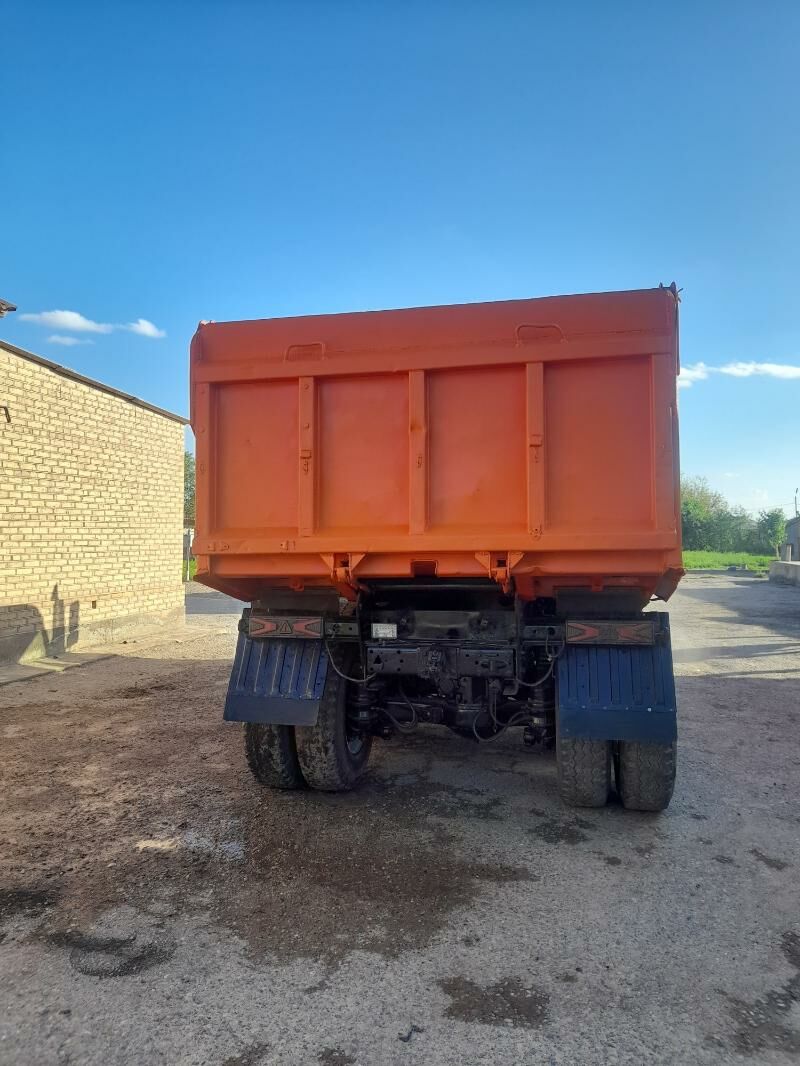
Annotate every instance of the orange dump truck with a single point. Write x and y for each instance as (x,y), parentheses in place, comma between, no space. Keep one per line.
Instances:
(448,515)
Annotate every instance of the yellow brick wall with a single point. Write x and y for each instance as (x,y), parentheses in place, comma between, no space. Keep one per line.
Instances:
(91,513)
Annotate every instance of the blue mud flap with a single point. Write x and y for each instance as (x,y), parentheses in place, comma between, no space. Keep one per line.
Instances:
(618,692)
(276,681)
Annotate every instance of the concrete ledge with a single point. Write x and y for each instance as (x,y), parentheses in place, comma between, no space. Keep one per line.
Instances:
(787,573)
(11,673)
(728,571)
(34,644)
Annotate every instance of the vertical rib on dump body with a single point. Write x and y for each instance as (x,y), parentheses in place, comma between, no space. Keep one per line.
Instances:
(533,442)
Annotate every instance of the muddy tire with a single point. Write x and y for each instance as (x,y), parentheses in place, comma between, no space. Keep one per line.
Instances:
(646,775)
(272,755)
(584,771)
(331,757)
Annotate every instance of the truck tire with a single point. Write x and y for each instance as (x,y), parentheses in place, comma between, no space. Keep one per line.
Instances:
(584,771)
(332,758)
(646,775)
(272,755)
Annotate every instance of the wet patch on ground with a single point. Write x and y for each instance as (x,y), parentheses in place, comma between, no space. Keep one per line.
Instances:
(508,1002)
(251,1056)
(334,1056)
(318,986)
(436,798)
(609,860)
(762,1026)
(27,902)
(768,860)
(561,831)
(96,955)
(383,882)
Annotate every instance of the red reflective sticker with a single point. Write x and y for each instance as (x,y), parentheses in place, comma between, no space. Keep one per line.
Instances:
(610,633)
(261,626)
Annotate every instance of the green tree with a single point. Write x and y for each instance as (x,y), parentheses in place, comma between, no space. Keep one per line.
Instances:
(701,508)
(698,490)
(772,528)
(733,530)
(709,523)
(695,525)
(188,489)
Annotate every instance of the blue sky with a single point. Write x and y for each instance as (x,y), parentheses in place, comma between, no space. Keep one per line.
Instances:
(165,163)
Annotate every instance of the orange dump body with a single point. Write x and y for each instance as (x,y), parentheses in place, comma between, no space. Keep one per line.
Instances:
(530,442)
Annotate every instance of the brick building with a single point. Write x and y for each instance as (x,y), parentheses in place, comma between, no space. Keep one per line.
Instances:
(91,510)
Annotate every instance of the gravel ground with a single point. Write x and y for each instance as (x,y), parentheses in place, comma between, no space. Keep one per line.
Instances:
(156,906)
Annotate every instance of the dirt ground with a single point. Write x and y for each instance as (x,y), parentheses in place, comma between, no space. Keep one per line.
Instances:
(157,906)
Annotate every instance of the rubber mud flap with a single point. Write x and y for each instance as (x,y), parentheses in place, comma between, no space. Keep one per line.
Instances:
(276,681)
(618,692)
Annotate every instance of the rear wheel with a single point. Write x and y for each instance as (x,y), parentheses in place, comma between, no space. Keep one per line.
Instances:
(646,775)
(584,771)
(272,755)
(332,754)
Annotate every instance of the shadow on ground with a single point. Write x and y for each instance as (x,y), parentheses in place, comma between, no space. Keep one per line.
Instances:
(749,601)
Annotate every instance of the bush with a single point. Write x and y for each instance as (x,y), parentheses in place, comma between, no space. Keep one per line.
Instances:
(703,560)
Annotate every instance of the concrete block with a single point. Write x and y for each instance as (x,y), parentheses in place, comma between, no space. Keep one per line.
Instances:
(786,573)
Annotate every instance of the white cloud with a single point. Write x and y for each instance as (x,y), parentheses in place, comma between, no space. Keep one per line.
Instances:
(70,320)
(700,372)
(75,322)
(690,374)
(68,342)
(144,328)
(768,370)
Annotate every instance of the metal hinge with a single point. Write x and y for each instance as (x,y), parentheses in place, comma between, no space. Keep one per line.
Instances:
(500,567)
(343,573)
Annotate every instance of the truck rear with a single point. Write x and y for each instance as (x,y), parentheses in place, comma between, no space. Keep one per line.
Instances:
(448,515)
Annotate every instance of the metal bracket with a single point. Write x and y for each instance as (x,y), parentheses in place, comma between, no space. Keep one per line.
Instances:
(342,570)
(499,566)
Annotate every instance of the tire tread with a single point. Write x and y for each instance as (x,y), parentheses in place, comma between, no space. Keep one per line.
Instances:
(647,775)
(271,754)
(584,771)
(324,758)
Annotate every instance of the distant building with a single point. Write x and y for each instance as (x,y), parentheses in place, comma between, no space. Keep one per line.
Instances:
(792,538)
(91,510)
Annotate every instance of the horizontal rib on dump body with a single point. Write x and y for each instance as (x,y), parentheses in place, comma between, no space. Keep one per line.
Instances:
(533,442)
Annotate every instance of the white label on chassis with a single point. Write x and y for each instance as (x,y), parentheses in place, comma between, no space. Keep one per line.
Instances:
(384,631)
